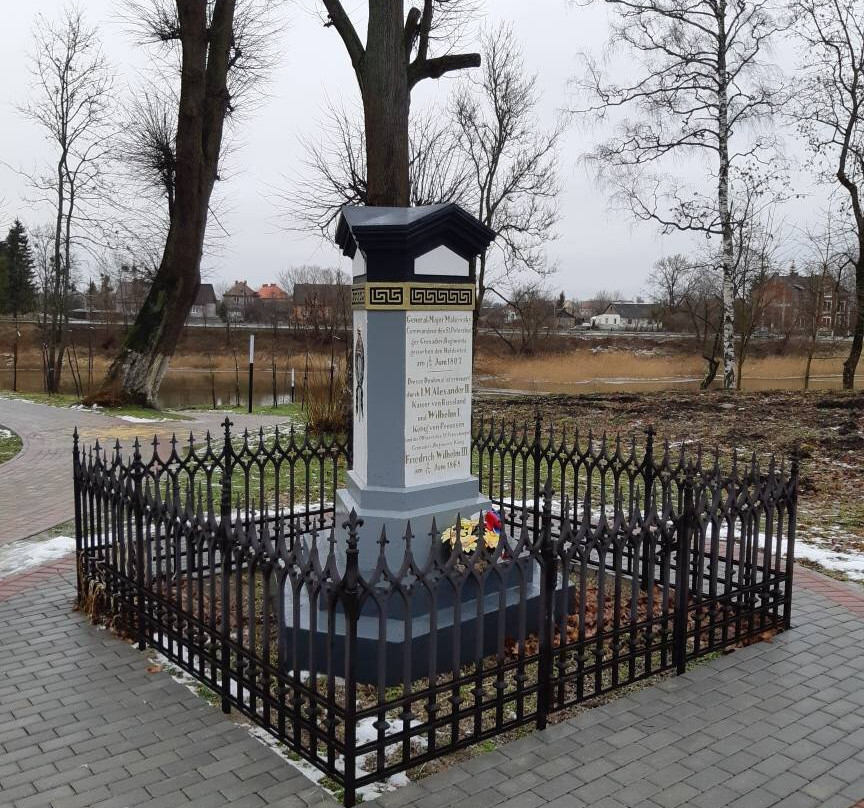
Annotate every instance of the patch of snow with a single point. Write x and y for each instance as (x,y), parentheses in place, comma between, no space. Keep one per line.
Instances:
(134,419)
(5,434)
(847,561)
(27,553)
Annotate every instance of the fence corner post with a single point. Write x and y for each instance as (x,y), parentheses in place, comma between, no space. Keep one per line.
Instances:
(682,575)
(351,605)
(79,527)
(225,553)
(547,599)
(792,512)
(137,482)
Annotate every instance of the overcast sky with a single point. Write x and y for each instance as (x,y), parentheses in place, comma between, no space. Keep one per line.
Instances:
(598,248)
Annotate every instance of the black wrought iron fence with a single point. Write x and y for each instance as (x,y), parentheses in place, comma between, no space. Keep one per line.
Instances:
(612,563)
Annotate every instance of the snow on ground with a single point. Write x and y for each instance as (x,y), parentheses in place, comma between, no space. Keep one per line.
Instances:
(21,555)
(135,419)
(848,562)
(5,434)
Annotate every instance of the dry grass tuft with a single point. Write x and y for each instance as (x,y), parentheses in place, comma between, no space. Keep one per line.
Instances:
(328,405)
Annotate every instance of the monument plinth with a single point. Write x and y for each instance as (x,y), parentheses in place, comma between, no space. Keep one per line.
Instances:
(413,301)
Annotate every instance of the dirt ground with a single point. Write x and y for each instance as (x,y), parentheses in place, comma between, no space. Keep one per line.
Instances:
(827,426)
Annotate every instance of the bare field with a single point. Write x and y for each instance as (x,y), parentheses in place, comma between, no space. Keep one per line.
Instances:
(600,368)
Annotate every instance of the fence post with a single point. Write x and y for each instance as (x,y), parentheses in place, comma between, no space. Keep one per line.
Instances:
(351,605)
(138,510)
(682,576)
(790,536)
(647,568)
(547,599)
(79,527)
(225,553)
(537,456)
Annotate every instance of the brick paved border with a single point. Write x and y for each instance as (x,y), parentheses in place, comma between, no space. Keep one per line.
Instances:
(846,594)
(22,582)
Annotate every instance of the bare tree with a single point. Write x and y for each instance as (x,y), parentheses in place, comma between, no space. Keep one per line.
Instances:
(335,168)
(321,301)
(533,316)
(669,283)
(394,59)
(830,115)
(71,103)
(702,84)
(756,250)
(222,50)
(512,160)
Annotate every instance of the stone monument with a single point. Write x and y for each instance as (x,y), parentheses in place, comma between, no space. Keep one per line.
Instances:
(413,301)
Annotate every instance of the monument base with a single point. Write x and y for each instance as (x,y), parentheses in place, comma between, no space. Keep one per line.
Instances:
(383,646)
(391,509)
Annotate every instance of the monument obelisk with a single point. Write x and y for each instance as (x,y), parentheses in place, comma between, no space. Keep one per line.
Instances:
(413,299)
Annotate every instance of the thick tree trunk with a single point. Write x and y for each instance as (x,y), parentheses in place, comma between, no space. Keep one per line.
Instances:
(850,366)
(137,372)
(386,101)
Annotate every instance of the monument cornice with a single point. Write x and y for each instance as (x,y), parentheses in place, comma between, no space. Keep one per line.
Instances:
(386,296)
(390,239)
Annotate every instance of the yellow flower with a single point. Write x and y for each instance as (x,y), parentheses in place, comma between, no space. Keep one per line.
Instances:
(490,538)
(469,543)
(467,531)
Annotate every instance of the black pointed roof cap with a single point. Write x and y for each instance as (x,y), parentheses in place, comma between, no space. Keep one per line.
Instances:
(411,231)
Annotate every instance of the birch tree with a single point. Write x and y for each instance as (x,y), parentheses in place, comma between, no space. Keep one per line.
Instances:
(830,113)
(396,56)
(700,90)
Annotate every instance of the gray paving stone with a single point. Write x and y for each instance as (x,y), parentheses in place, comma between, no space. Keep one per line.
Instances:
(98,730)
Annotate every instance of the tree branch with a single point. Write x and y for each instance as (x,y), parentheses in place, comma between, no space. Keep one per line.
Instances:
(340,20)
(437,67)
(412,29)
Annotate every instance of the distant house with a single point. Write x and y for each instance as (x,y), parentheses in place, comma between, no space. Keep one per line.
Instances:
(625,316)
(790,304)
(565,318)
(317,303)
(239,300)
(586,309)
(566,315)
(204,307)
(272,295)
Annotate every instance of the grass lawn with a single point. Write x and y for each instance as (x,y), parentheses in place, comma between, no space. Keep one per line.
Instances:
(10,444)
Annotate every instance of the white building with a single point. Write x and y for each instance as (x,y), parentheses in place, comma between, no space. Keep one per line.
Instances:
(623,316)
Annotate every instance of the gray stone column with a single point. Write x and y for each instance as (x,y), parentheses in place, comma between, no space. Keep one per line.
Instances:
(413,297)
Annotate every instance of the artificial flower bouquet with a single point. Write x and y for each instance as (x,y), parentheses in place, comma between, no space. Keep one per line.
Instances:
(470,532)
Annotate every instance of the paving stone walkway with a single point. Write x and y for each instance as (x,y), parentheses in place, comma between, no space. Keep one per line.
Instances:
(36,485)
(780,724)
